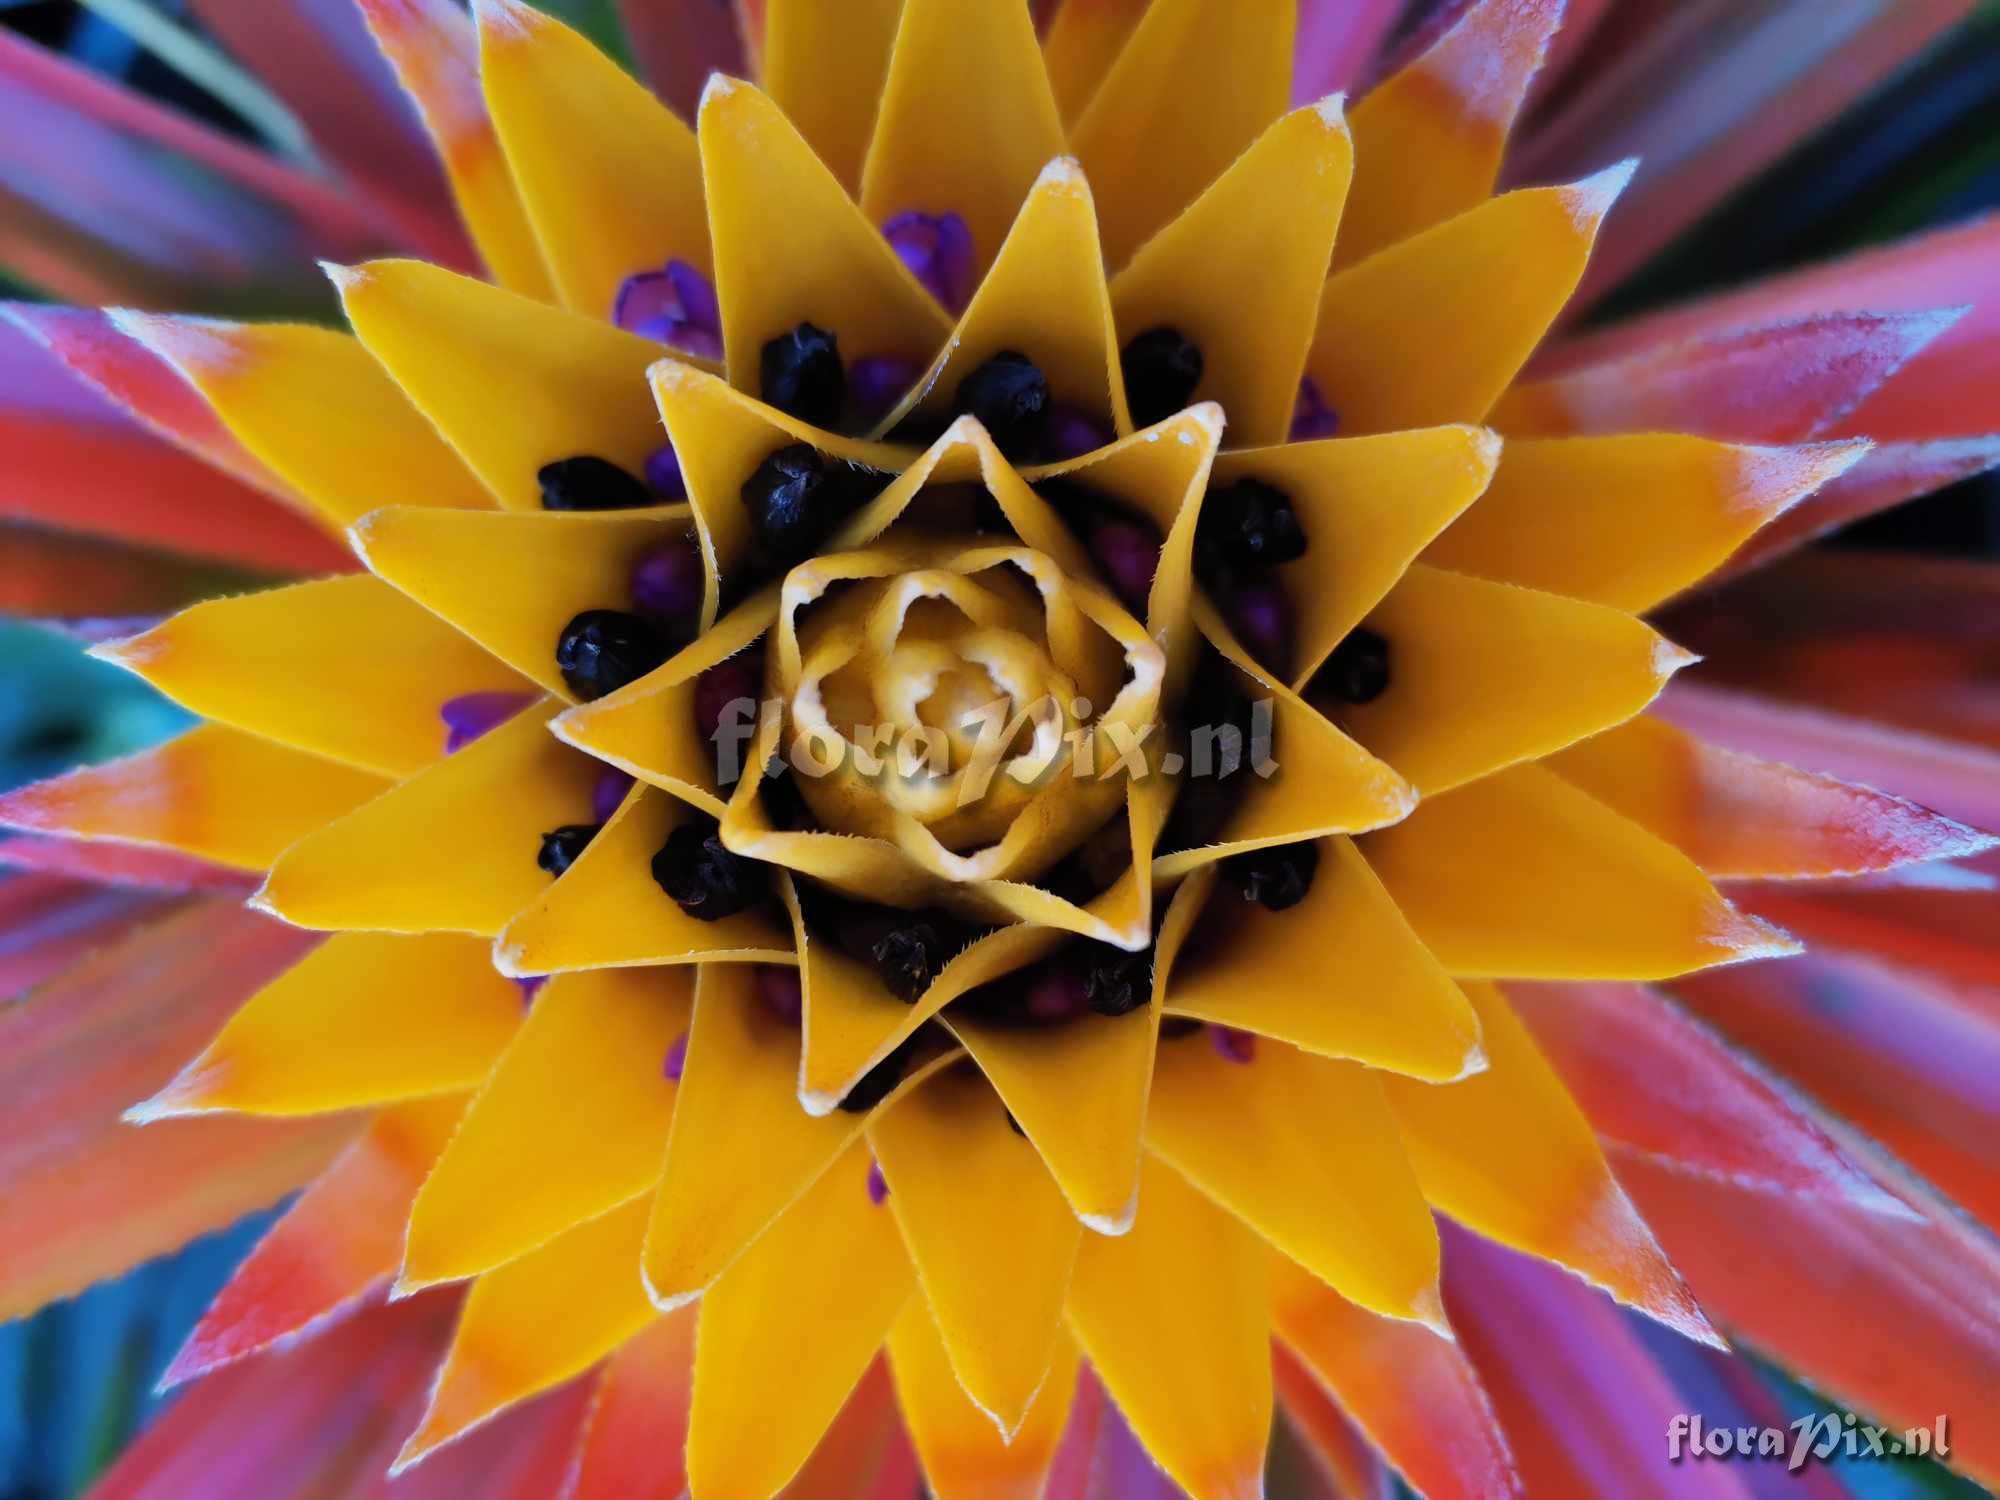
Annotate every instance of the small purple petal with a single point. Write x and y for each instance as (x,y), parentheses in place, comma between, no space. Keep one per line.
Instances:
(676,305)
(732,680)
(782,993)
(667,583)
(699,304)
(938,250)
(1260,617)
(609,793)
(1236,1046)
(876,382)
(1312,418)
(663,473)
(677,1059)
(1071,434)
(470,715)
(1129,554)
(1057,994)
(530,985)
(878,1185)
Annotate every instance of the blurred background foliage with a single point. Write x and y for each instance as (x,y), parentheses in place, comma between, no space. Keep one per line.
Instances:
(76,1380)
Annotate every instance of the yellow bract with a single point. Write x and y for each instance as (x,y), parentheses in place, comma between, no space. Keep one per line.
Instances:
(1388,1004)
(569,1125)
(289,665)
(312,1041)
(628,203)
(966,119)
(991,1237)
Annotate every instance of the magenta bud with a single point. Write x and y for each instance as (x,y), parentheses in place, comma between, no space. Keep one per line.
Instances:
(730,681)
(1236,1046)
(663,473)
(1129,554)
(938,250)
(1056,993)
(470,715)
(876,382)
(1312,418)
(1262,621)
(782,994)
(667,584)
(676,305)
(609,793)
(1070,434)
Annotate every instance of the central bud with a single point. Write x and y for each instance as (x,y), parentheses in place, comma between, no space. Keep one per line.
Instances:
(963,698)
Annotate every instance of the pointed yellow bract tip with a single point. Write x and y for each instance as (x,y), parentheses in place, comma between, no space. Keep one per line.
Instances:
(1669,658)
(1590,200)
(720,86)
(133,652)
(1063,173)
(1112,1226)
(1427,1308)
(1332,111)
(1770,481)
(348,280)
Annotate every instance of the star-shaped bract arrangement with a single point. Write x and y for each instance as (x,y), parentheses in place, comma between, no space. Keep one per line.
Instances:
(956,361)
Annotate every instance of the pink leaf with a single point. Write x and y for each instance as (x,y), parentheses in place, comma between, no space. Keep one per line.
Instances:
(1582,1401)
(113,198)
(1899,1318)
(1710,96)
(1950,390)
(1651,1080)
(88,1195)
(1779,383)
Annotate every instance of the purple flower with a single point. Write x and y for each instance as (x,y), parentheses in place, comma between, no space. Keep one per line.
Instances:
(470,715)
(876,382)
(1237,1046)
(676,305)
(609,793)
(1070,434)
(1312,418)
(663,473)
(783,996)
(667,584)
(1129,554)
(938,250)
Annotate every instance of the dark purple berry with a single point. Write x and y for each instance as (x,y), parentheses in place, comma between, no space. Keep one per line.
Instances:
(1358,670)
(1248,524)
(793,503)
(1162,369)
(909,956)
(704,878)
(1116,983)
(1010,397)
(587,482)
(562,846)
(667,584)
(601,650)
(802,375)
(1277,878)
